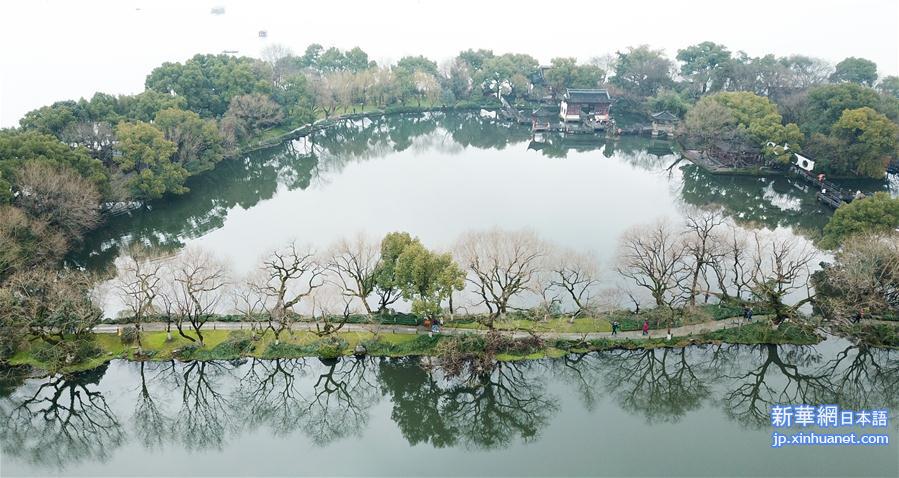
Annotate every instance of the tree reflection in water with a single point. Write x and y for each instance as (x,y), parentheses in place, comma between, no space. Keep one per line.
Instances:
(321,157)
(775,375)
(660,384)
(340,400)
(483,409)
(864,377)
(60,420)
(204,416)
(57,421)
(488,409)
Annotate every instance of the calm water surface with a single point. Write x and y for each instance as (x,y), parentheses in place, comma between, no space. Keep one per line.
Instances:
(439,175)
(694,411)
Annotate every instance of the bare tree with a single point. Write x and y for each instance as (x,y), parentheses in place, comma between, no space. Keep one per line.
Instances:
(26,242)
(864,279)
(291,275)
(353,264)
(652,256)
(138,282)
(167,294)
(250,301)
(702,249)
(59,196)
(248,115)
(324,92)
(781,266)
(330,310)
(731,267)
(502,265)
(577,275)
(275,55)
(200,281)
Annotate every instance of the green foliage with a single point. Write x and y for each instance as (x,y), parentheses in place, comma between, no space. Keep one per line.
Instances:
(51,119)
(509,68)
(294,95)
(197,141)
(855,70)
(333,59)
(889,86)
(826,104)
(238,343)
(734,117)
(566,73)
(669,100)
(426,278)
(705,64)
(392,246)
(74,350)
(208,82)
(877,213)
(868,139)
(146,105)
(475,58)
(19,147)
(877,335)
(146,157)
(643,71)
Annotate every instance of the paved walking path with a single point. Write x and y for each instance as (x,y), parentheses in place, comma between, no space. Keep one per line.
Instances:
(402,329)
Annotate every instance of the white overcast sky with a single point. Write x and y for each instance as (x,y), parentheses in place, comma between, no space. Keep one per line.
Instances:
(53,50)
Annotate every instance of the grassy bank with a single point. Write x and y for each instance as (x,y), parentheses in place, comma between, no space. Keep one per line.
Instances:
(230,345)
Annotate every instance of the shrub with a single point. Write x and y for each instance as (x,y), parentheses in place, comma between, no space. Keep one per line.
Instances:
(238,343)
(72,351)
(331,348)
(129,335)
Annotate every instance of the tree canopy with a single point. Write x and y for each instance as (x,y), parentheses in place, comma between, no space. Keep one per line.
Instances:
(146,160)
(877,213)
(736,116)
(208,82)
(855,70)
(705,64)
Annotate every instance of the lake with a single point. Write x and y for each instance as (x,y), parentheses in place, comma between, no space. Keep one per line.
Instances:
(670,412)
(438,175)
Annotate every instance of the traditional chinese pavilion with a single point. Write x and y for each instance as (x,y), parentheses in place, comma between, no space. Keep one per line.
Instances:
(664,122)
(590,104)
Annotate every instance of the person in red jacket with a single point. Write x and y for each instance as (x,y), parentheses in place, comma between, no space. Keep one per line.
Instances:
(645,326)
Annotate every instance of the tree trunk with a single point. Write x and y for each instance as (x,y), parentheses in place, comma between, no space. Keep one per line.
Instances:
(140,346)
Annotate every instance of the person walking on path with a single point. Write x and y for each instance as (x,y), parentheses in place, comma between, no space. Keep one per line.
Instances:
(645,326)
(615,326)
(749,314)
